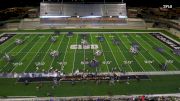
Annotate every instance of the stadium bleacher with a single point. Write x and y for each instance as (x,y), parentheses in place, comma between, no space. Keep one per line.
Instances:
(54,13)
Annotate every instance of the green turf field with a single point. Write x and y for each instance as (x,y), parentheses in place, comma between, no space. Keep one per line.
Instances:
(157,85)
(36,49)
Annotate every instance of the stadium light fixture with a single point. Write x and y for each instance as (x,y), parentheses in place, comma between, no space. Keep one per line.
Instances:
(122,16)
(55,16)
(91,16)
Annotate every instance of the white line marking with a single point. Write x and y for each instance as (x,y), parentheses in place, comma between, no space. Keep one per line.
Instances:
(74,55)
(84,58)
(134,57)
(65,52)
(165,46)
(17,53)
(161,54)
(21,50)
(46,53)
(35,54)
(56,49)
(93,49)
(112,53)
(8,46)
(140,52)
(123,55)
(104,57)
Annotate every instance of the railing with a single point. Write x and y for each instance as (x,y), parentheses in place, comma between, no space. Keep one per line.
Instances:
(54,74)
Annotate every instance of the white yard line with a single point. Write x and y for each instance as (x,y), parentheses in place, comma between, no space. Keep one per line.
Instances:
(164,45)
(112,53)
(134,57)
(22,49)
(123,54)
(56,49)
(46,53)
(17,52)
(7,47)
(172,56)
(62,66)
(2,34)
(84,59)
(74,55)
(141,54)
(104,57)
(35,55)
(76,40)
(8,63)
(93,49)
(163,56)
(170,38)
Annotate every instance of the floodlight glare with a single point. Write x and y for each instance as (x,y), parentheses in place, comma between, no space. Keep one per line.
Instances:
(55,16)
(91,16)
(122,16)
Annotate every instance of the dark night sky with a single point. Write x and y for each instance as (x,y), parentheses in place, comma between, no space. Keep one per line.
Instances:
(148,3)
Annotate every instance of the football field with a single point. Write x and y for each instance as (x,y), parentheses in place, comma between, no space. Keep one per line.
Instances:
(34,54)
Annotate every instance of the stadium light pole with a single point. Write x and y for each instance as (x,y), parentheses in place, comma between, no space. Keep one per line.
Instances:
(105,7)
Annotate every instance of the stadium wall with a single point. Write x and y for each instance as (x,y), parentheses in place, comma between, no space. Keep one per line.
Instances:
(55,10)
(57,13)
